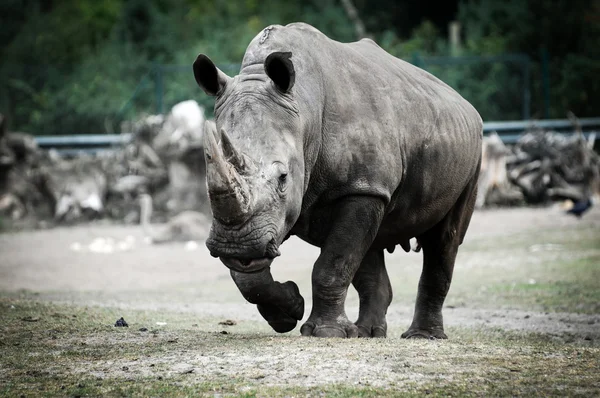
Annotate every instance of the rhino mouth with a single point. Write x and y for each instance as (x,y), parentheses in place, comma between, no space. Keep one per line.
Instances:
(246,265)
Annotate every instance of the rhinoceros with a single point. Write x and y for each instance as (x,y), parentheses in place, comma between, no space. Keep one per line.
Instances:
(350,149)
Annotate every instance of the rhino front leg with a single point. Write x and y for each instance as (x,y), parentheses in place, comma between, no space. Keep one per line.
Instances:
(352,232)
(375,294)
(279,303)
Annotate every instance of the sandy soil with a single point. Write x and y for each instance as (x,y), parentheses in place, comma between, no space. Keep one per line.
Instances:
(112,270)
(61,265)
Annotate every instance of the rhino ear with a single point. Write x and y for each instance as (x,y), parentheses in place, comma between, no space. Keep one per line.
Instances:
(280,69)
(208,76)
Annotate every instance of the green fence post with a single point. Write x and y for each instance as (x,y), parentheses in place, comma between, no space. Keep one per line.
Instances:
(546,82)
(416,59)
(526,88)
(158,87)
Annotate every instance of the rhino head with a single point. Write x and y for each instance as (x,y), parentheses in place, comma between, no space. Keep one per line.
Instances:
(254,159)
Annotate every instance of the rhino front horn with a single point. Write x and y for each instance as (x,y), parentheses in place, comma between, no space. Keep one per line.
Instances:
(227,189)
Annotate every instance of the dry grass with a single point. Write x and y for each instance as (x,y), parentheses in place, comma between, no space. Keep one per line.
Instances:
(522,316)
(51,350)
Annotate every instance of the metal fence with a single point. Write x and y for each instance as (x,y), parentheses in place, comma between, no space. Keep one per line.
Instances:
(500,87)
(509,132)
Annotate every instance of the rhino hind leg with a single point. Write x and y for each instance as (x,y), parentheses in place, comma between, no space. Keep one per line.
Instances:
(440,246)
(375,293)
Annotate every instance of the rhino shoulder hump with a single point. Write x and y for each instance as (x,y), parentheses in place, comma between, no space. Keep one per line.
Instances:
(302,26)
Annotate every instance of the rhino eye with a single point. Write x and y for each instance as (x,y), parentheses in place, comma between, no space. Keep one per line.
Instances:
(282,186)
(281,171)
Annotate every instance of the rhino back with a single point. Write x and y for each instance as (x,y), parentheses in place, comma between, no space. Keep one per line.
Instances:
(384,127)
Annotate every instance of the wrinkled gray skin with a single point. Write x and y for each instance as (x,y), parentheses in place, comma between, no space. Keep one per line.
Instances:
(354,151)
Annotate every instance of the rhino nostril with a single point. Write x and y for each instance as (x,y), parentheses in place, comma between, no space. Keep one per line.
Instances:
(272,250)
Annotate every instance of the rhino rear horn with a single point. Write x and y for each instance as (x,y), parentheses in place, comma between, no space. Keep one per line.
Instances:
(208,76)
(232,155)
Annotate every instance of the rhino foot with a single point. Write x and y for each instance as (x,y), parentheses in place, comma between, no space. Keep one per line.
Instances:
(277,319)
(430,334)
(341,329)
(371,330)
(284,315)
(281,304)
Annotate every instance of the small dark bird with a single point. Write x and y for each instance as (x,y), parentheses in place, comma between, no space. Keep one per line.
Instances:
(121,323)
(580,207)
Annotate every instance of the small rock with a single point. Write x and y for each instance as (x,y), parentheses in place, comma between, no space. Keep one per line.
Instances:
(187,371)
(143,329)
(161,323)
(224,332)
(30,319)
(191,245)
(125,367)
(228,322)
(526,317)
(121,323)
(588,338)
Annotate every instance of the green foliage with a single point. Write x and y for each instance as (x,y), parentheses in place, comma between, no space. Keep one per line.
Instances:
(75,65)
(82,66)
(567,29)
(425,40)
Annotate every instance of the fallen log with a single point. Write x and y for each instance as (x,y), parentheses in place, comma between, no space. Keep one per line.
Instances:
(185,226)
(542,167)
(494,187)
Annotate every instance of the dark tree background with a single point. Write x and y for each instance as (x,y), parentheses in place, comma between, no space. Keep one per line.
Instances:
(81,66)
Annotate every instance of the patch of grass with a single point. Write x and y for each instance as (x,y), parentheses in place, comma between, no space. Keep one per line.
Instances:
(59,350)
(567,286)
(555,271)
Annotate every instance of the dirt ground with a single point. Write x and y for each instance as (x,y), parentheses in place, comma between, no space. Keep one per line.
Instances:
(525,273)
